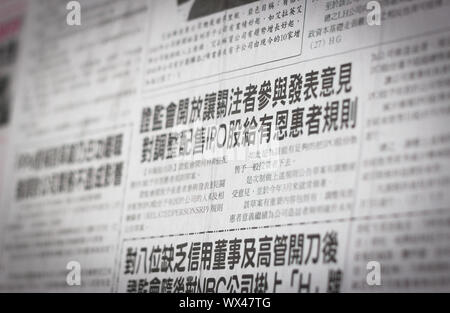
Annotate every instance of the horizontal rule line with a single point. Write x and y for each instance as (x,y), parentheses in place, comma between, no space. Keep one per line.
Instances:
(328,221)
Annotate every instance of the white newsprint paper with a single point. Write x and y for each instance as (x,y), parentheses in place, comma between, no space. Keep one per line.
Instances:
(225,146)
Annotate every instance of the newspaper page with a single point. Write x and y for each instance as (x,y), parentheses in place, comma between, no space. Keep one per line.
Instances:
(229,146)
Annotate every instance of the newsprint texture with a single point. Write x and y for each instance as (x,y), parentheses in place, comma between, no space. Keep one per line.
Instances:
(225,146)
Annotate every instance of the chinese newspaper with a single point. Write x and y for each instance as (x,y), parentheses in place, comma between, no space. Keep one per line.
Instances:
(225,146)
